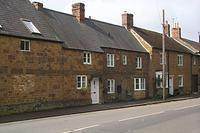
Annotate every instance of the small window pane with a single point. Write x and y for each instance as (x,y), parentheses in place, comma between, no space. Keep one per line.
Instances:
(83,82)
(137,84)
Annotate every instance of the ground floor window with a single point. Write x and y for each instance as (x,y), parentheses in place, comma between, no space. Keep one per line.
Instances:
(81,81)
(180,81)
(139,84)
(159,81)
(111,86)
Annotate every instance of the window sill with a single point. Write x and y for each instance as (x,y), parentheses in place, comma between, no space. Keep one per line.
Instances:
(25,50)
(110,92)
(87,63)
(139,89)
(111,66)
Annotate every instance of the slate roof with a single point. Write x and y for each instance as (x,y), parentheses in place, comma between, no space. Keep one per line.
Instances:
(90,35)
(11,13)
(194,44)
(155,40)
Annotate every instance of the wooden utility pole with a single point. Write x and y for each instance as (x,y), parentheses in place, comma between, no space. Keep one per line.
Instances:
(163,55)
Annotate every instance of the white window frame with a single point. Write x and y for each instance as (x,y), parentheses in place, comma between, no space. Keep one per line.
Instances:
(159,74)
(29,45)
(82,77)
(194,60)
(1,27)
(161,58)
(110,60)
(141,84)
(138,62)
(125,59)
(180,60)
(111,86)
(30,26)
(180,81)
(87,58)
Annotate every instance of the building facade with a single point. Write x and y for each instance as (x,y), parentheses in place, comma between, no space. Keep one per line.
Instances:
(194,47)
(44,65)
(51,59)
(178,60)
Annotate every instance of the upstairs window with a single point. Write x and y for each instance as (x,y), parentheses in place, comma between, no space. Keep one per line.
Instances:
(139,63)
(110,60)
(87,58)
(25,45)
(194,61)
(31,26)
(124,60)
(180,60)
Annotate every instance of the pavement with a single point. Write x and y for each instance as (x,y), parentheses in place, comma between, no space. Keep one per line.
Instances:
(88,108)
(175,117)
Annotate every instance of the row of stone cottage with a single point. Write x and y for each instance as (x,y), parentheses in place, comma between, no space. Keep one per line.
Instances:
(51,59)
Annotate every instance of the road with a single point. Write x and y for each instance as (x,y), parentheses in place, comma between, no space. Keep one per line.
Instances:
(172,117)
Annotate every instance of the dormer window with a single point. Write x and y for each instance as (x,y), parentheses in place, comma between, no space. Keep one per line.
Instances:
(31,26)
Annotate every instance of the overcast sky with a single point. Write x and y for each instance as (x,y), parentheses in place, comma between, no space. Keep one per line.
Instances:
(147,13)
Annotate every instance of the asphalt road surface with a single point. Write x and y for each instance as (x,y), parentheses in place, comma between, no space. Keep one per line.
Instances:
(172,117)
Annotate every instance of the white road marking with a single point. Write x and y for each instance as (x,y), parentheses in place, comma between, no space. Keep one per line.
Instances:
(182,108)
(141,116)
(80,129)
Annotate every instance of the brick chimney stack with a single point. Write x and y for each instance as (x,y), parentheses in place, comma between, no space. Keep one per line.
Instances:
(78,10)
(199,36)
(176,31)
(127,20)
(167,29)
(37,5)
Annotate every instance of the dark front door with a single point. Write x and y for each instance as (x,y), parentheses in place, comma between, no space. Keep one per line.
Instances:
(195,83)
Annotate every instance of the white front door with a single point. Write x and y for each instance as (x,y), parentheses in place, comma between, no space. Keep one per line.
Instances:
(95,90)
(171,85)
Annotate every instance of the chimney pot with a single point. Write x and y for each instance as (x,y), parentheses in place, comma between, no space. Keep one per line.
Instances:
(37,5)
(78,10)
(127,20)
(176,31)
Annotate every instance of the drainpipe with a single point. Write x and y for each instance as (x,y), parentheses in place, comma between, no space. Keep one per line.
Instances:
(168,69)
(191,74)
